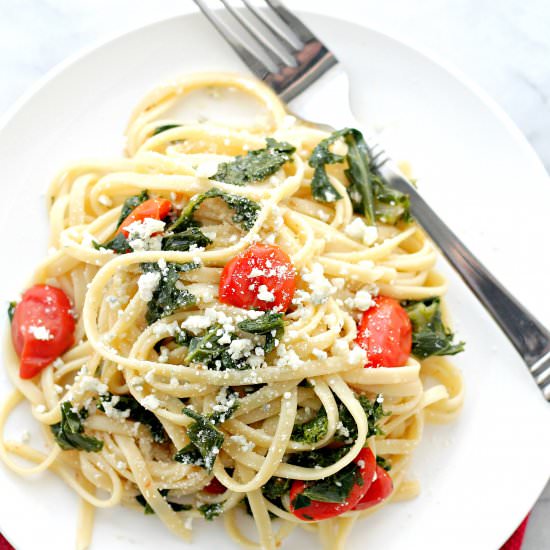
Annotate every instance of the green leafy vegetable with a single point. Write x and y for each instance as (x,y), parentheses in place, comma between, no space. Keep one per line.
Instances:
(320,457)
(301,501)
(130,204)
(255,165)
(374,411)
(69,433)
(276,488)
(169,295)
(270,324)
(11,310)
(312,431)
(164,492)
(335,488)
(430,335)
(369,195)
(211,511)
(206,349)
(118,244)
(321,188)
(383,463)
(246,211)
(205,437)
(185,240)
(137,413)
(163,128)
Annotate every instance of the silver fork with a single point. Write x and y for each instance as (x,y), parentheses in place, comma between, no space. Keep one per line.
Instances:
(280,50)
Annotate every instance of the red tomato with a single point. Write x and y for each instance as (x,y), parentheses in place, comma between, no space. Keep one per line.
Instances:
(318,510)
(215,487)
(42,328)
(379,490)
(157,209)
(385,333)
(260,271)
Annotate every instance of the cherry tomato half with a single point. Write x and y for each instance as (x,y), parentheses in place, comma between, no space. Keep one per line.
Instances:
(318,510)
(261,277)
(215,487)
(42,328)
(385,333)
(157,209)
(379,490)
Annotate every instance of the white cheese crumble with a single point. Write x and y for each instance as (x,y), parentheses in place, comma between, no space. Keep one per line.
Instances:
(147,284)
(241,347)
(140,234)
(357,355)
(245,445)
(265,294)
(104,200)
(363,300)
(320,286)
(319,353)
(92,384)
(360,231)
(151,402)
(40,333)
(197,323)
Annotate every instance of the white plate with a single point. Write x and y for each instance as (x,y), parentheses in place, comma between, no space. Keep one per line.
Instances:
(480,475)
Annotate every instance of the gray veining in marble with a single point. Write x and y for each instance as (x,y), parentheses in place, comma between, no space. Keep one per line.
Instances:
(504,46)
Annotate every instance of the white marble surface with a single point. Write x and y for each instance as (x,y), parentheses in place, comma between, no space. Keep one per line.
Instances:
(504,46)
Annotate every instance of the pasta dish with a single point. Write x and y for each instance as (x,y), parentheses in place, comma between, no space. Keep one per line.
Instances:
(234,321)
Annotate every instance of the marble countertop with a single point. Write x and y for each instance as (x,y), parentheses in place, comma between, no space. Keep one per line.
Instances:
(503,46)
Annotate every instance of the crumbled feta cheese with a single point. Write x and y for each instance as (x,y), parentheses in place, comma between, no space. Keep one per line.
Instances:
(320,286)
(40,332)
(357,355)
(140,234)
(240,347)
(256,272)
(319,353)
(196,323)
(363,300)
(147,284)
(359,230)
(90,383)
(265,294)
(164,354)
(151,402)
(245,445)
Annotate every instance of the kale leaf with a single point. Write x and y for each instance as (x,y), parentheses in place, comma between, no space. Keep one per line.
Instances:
(256,165)
(246,211)
(211,511)
(118,244)
(11,310)
(185,240)
(164,492)
(163,128)
(207,439)
(276,488)
(130,204)
(335,488)
(383,463)
(170,295)
(369,195)
(320,457)
(312,431)
(270,324)
(374,411)
(206,349)
(430,335)
(321,188)
(69,433)
(138,413)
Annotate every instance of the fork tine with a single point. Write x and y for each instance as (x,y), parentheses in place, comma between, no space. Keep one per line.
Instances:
(297,27)
(267,47)
(273,28)
(254,63)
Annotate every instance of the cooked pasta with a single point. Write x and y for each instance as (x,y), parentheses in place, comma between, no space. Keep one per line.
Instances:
(180,369)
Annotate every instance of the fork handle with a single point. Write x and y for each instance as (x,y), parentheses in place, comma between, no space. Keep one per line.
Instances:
(530,338)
